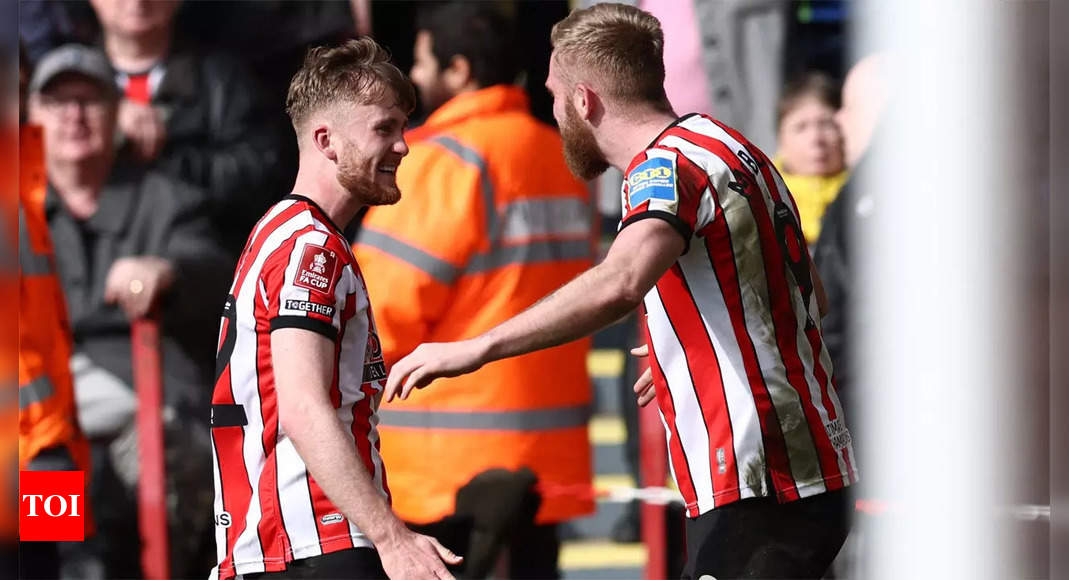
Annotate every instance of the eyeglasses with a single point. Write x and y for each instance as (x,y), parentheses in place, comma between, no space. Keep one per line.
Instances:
(94,103)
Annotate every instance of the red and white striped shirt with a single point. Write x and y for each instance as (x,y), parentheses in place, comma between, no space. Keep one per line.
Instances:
(743,380)
(297,270)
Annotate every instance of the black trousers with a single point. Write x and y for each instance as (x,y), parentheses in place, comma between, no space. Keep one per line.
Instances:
(352,564)
(759,538)
(38,560)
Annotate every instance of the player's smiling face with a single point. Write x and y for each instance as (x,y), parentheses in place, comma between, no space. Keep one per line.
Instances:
(373,145)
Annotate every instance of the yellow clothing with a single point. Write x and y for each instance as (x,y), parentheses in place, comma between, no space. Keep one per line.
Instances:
(813,194)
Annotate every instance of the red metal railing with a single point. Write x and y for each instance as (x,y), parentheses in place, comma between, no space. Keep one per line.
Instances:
(151,489)
(653,470)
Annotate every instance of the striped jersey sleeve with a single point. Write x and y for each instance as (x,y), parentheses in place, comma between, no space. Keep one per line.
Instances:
(664,184)
(304,285)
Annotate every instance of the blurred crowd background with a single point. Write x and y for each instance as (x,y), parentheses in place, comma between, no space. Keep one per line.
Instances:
(159,159)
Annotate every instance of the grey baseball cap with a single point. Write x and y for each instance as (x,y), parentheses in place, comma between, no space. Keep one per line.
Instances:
(74,58)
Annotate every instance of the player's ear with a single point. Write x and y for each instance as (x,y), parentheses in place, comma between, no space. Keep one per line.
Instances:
(585,101)
(321,138)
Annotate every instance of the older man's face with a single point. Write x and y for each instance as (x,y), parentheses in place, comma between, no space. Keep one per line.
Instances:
(78,117)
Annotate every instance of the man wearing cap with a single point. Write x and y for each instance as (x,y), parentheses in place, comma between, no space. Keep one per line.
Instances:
(128,242)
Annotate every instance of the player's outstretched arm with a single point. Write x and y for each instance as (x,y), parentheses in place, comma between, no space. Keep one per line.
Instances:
(303,366)
(641,254)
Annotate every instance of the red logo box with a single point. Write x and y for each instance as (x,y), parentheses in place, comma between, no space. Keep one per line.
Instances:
(52,506)
(318,269)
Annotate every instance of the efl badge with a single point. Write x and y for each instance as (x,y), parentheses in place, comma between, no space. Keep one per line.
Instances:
(318,269)
(653,179)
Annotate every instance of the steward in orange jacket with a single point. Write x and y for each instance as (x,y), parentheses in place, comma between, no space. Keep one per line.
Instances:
(49,438)
(489,221)
(48,422)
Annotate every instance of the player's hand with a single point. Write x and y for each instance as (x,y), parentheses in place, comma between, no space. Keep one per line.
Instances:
(432,361)
(644,390)
(411,555)
(142,125)
(137,282)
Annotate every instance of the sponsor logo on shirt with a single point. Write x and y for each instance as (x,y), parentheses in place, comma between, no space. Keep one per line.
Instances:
(374,347)
(654,178)
(306,306)
(331,519)
(374,368)
(838,433)
(318,269)
(374,372)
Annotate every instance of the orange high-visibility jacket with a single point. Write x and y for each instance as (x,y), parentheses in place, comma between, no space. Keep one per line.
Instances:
(9,339)
(490,221)
(47,415)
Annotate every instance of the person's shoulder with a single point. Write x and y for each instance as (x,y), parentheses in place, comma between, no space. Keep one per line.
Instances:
(699,137)
(162,192)
(299,231)
(185,48)
(310,215)
(210,63)
(660,160)
(225,65)
(484,132)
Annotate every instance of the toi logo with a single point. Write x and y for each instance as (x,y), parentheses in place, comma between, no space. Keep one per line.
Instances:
(52,506)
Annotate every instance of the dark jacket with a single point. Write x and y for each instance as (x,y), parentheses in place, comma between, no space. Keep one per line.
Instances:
(833,256)
(223,137)
(145,213)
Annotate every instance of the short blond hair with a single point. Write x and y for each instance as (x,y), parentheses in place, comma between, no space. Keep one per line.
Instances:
(620,46)
(357,71)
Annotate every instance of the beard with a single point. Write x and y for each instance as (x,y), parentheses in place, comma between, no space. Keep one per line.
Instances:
(363,188)
(581,151)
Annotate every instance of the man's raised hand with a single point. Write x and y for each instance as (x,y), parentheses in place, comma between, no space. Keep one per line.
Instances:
(432,361)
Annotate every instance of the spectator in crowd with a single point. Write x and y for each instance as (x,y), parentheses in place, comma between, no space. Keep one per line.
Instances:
(810,156)
(44,26)
(863,100)
(864,96)
(198,116)
(127,240)
(275,46)
(491,220)
(49,438)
